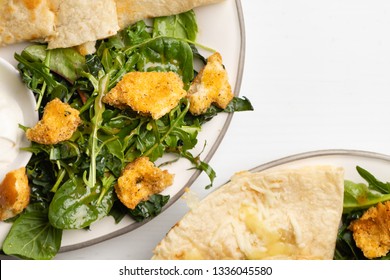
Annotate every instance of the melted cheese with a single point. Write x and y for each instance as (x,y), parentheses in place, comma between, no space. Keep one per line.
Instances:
(273,242)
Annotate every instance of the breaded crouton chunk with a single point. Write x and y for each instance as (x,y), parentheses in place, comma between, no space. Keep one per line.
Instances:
(372,231)
(210,86)
(139,180)
(14,193)
(148,93)
(58,123)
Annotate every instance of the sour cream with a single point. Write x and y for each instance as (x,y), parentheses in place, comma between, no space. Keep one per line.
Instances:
(17,106)
(10,133)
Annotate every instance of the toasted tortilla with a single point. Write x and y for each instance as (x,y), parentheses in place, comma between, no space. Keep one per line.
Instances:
(84,21)
(131,11)
(69,23)
(279,214)
(25,20)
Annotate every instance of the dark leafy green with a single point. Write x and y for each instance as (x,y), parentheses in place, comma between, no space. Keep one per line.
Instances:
(358,197)
(150,208)
(76,206)
(32,236)
(167,54)
(236,105)
(65,62)
(179,26)
(362,196)
(345,244)
(373,183)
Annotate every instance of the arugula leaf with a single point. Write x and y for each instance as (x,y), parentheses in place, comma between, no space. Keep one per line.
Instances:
(93,65)
(137,33)
(201,165)
(96,121)
(37,77)
(375,184)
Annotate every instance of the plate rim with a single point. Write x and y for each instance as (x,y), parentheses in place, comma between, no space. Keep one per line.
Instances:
(319,153)
(30,116)
(213,149)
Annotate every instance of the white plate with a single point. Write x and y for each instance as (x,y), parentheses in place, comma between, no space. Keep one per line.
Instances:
(17,106)
(226,15)
(375,163)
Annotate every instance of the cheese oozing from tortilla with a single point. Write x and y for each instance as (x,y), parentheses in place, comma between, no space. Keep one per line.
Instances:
(275,214)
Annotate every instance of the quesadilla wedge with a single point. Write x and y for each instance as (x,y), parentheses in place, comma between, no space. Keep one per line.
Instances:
(79,22)
(131,11)
(70,23)
(275,214)
(25,20)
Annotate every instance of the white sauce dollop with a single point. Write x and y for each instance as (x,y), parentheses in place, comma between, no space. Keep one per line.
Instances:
(17,106)
(10,133)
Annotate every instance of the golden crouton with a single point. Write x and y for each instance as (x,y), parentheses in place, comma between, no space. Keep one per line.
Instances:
(372,231)
(139,180)
(14,193)
(148,93)
(58,123)
(211,85)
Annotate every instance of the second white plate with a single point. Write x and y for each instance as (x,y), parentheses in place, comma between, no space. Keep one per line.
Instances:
(376,163)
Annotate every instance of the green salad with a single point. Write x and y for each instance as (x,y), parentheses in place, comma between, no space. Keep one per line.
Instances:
(72,182)
(358,198)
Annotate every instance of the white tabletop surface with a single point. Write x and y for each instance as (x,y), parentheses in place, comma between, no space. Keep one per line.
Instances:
(318,76)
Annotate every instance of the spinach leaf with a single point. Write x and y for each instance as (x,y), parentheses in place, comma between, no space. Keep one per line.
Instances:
(237,104)
(32,236)
(167,54)
(182,26)
(76,206)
